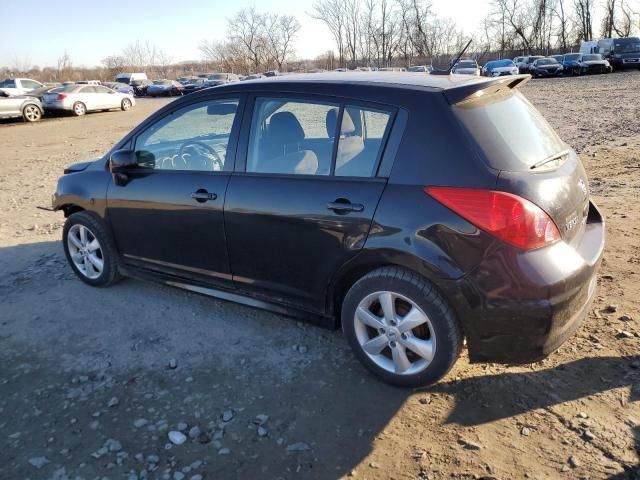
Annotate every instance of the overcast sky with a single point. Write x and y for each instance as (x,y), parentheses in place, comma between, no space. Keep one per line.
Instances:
(39,31)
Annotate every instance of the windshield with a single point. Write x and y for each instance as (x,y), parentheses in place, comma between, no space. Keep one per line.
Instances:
(195,81)
(547,61)
(166,83)
(218,76)
(627,45)
(510,132)
(571,56)
(467,65)
(591,58)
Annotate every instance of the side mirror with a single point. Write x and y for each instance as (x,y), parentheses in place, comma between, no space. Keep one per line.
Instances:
(119,162)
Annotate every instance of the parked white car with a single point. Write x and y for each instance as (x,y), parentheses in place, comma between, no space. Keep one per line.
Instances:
(19,86)
(80,99)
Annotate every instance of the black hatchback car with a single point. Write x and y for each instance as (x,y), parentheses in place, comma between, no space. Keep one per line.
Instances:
(412,211)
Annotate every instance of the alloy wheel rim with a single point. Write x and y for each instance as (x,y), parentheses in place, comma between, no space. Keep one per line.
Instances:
(395,333)
(32,113)
(79,109)
(127,104)
(85,251)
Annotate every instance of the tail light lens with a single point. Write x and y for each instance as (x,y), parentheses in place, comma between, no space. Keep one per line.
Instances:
(61,96)
(506,216)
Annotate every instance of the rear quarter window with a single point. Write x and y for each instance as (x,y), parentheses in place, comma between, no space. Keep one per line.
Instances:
(509,132)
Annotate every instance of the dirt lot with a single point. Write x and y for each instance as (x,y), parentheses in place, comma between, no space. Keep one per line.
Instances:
(86,390)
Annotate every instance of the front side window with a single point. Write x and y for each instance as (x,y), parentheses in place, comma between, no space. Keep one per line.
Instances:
(195,138)
(291,137)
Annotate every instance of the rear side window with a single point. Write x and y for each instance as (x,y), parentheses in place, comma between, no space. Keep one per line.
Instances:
(508,130)
(360,142)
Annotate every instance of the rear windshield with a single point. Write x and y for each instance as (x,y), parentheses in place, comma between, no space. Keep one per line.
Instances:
(508,130)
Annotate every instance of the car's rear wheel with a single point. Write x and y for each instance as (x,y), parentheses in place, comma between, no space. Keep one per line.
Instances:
(126,104)
(32,113)
(90,250)
(79,109)
(400,327)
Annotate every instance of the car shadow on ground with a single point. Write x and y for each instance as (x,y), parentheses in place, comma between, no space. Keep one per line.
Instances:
(505,395)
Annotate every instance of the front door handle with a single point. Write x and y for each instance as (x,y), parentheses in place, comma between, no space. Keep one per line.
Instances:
(342,206)
(201,195)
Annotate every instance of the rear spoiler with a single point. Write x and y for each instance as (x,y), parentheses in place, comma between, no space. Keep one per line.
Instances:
(467,91)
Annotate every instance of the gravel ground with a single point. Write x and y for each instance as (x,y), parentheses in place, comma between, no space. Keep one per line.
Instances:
(144,381)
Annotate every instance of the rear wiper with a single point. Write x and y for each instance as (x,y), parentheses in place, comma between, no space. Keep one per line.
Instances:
(549,159)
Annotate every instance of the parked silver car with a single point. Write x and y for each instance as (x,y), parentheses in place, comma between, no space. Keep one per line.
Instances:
(16,106)
(80,99)
(466,66)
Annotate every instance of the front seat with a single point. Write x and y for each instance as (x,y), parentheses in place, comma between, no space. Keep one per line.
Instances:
(282,152)
(351,144)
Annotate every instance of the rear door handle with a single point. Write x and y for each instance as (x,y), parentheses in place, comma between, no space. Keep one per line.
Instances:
(345,206)
(202,195)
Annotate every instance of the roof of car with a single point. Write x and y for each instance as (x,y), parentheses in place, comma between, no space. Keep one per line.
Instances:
(391,79)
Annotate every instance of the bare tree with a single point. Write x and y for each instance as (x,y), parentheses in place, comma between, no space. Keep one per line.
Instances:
(564,24)
(584,13)
(65,67)
(247,28)
(280,31)
(332,13)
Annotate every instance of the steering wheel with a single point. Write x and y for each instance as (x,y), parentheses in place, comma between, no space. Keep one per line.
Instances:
(210,158)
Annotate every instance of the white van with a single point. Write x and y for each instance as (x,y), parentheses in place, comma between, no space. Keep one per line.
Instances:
(589,46)
(128,78)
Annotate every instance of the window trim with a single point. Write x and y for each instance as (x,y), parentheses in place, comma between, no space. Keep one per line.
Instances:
(232,150)
(242,152)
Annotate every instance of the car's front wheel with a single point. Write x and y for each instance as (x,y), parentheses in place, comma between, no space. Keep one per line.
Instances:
(90,250)
(126,104)
(400,327)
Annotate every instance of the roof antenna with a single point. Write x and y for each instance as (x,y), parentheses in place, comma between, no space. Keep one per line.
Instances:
(453,64)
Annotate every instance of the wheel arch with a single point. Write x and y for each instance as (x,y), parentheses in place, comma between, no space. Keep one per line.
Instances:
(368,261)
(70,208)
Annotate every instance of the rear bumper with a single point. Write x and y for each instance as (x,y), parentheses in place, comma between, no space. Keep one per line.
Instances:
(518,307)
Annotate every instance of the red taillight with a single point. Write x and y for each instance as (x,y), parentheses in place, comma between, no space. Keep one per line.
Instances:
(62,96)
(506,216)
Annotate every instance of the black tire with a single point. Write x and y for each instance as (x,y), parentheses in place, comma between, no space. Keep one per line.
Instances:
(428,298)
(97,227)
(126,105)
(79,109)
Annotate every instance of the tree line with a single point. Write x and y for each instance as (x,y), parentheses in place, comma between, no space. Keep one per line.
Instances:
(376,33)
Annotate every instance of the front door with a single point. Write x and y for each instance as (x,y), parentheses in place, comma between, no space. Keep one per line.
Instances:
(169,215)
(304,202)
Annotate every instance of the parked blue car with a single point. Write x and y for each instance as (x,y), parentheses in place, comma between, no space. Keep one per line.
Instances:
(571,64)
(119,87)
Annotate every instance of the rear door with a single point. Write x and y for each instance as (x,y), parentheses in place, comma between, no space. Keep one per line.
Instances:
(302,199)
(168,217)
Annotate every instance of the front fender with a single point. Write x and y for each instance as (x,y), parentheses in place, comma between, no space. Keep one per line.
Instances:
(86,189)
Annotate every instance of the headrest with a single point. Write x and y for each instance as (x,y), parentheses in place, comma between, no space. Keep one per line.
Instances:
(348,126)
(285,128)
